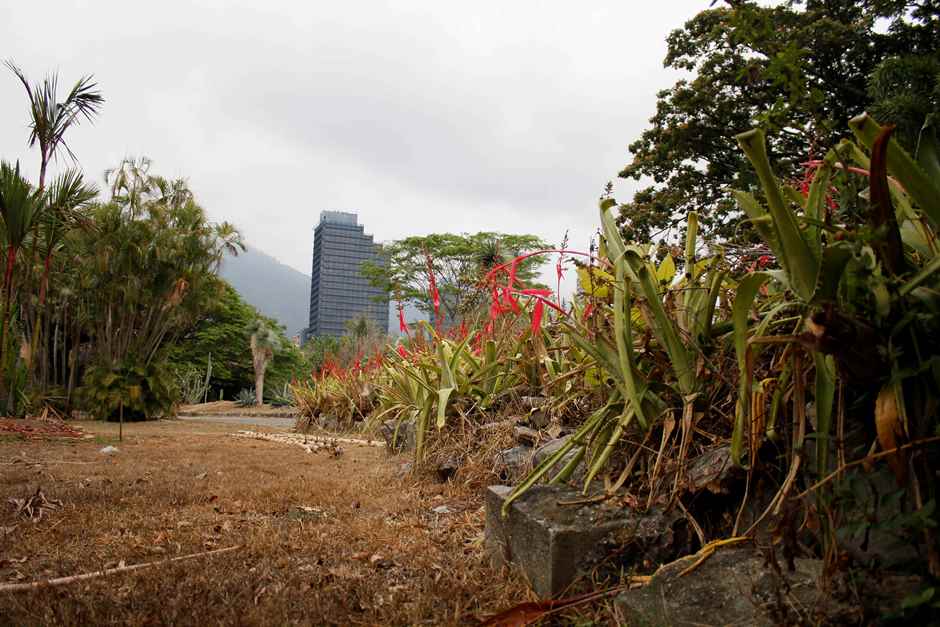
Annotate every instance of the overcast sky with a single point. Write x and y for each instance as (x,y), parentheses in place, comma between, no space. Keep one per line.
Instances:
(420,116)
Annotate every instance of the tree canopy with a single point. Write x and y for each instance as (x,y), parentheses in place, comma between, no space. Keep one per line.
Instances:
(224,330)
(800,70)
(459,262)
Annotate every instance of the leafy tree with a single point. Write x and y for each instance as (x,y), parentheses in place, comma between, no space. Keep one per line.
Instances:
(152,272)
(221,330)
(224,330)
(798,69)
(905,91)
(459,263)
(65,199)
(147,272)
(49,121)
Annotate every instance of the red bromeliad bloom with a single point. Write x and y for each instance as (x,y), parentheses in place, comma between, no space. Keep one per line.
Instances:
(435,295)
(559,272)
(402,351)
(402,325)
(588,311)
(810,168)
(510,301)
(537,316)
(503,297)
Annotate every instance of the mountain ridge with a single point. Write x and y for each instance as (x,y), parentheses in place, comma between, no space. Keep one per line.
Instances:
(273,288)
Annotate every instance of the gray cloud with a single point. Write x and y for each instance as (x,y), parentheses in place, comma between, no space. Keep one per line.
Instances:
(422,117)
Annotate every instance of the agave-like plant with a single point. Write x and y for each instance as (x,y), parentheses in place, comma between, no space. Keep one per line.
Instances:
(427,385)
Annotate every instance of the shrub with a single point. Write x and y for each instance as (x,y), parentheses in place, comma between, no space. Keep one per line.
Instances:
(145,391)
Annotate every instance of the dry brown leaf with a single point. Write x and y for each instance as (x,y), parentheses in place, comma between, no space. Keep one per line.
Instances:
(890,430)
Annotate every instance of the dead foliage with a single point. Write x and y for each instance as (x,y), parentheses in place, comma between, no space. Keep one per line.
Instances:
(34,506)
(467,454)
(44,426)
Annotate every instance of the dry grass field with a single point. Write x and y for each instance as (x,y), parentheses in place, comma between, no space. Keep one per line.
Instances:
(323,538)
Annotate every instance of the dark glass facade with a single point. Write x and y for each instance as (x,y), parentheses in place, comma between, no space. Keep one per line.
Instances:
(338,291)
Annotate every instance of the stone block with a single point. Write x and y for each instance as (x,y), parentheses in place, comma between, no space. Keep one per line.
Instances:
(735,586)
(513,463)
(525,436)
(550,448)
(552,543)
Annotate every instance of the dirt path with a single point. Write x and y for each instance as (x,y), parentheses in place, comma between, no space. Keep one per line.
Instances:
(262,421)
(326,539)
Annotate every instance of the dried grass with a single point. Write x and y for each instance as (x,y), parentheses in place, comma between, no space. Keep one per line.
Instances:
(327,539)
(474,449)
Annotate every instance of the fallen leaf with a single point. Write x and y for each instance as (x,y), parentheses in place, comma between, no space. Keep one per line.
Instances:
(890,429)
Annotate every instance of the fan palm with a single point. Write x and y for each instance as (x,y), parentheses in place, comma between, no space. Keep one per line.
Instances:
(263,342)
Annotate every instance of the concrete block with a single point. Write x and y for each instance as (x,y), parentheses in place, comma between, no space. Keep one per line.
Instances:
(552,543)
(550,448)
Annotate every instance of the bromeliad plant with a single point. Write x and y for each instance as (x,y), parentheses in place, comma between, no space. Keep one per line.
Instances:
(446,378)
(853,303)
(347,394)
(860,276)
(653,322)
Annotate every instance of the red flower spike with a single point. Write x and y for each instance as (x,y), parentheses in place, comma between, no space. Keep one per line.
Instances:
(588,311)
(512,273)
(537,316)
(494,310)
(435,295)
(402,325)
(541,299)
(537,292)
(402,351)
(509,300)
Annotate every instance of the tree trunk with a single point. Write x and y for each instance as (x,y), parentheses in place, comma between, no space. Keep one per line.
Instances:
(8,296)
(37,325)
(259,386)
(73,368)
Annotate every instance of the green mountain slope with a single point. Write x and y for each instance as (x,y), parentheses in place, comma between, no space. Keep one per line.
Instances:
(276,290)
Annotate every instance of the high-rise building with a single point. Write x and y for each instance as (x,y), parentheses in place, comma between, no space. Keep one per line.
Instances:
(338,290)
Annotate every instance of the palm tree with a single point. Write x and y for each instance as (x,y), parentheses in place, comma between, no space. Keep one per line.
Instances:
(19,204)
(50,119)
(131,183)
(263,342)
(67,194)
